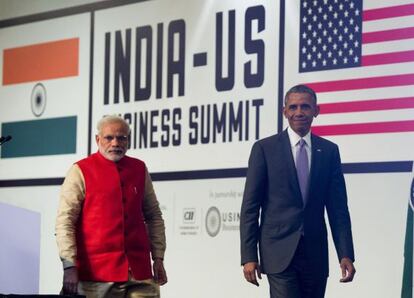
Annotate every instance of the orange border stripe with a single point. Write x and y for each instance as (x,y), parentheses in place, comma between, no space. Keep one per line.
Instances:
(43,61)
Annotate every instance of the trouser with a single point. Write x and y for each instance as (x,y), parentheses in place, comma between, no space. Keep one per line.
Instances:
(298,280)
(130,289)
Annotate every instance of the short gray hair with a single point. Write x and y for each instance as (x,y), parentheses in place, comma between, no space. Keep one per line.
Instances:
(112,119)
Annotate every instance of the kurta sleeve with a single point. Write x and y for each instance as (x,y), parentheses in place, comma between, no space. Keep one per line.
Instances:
(72,196)
(153,219)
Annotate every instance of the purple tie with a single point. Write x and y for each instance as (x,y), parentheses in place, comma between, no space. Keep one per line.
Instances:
(302,168)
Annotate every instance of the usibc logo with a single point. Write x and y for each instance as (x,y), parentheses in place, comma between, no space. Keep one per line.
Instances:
(213,221)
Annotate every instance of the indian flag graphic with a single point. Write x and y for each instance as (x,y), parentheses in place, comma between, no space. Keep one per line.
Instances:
(36,63)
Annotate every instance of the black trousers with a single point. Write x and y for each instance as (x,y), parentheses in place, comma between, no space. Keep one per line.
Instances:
(298,280)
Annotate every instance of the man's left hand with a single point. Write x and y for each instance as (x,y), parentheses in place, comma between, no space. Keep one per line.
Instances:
(160,276)
(348,270)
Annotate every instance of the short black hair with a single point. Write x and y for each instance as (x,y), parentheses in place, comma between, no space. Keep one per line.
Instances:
(301,89)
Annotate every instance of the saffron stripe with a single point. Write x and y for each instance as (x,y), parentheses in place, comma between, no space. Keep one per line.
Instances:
(388,35)
(387,58)
(363,83)
(388,12)
(51,60)
(367,105)
(364,128)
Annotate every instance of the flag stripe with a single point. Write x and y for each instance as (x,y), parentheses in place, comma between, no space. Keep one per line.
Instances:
(388,12)
(363,83)
(364,128)
(388,35)
(40,137)
(387,58)
(367,105)
(56,59)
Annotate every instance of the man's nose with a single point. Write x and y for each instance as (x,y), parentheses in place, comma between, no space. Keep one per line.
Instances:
(299,111)
(115,142)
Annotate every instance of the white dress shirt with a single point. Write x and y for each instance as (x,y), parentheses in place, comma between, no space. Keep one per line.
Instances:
(294,144)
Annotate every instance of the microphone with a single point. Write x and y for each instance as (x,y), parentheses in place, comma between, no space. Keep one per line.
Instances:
(5,139)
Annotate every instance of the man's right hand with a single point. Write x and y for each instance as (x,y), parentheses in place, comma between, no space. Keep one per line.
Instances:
(250,269)
(70,281)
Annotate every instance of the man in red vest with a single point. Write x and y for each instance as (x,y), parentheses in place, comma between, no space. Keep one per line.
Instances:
(109,224)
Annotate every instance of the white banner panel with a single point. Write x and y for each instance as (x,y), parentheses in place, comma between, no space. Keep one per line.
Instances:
(202,265)
(203,247)
(44,96)
(358,57)
(197,80)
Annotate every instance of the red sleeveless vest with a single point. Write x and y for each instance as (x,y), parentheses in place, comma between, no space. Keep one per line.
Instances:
(111,233)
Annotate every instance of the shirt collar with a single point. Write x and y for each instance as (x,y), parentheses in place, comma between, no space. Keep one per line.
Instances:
(294,137)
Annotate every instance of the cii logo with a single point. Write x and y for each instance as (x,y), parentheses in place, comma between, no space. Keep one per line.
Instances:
(189,215)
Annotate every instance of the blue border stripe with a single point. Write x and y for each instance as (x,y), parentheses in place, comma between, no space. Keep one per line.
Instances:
(68,11)
(377,167)
(200,174)
(348,168)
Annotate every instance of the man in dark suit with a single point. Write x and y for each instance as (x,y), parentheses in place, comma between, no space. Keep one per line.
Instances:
(292,178)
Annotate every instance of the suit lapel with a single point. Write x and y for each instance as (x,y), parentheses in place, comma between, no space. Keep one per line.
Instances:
(293,177)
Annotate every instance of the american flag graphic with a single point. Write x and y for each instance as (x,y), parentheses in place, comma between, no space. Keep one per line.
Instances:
(359,58)
(330,35)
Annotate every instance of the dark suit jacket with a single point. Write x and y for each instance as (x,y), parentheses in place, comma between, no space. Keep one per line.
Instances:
(272,194)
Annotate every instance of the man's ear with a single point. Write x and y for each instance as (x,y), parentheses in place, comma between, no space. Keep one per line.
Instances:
(97,139)
(317,110)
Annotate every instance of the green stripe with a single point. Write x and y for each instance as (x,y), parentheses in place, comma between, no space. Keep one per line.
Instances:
(407,284)
(39,137)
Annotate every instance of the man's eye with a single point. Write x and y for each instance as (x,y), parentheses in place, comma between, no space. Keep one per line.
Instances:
(121,139)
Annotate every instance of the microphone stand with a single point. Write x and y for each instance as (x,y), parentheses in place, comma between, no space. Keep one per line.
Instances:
(5,139)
